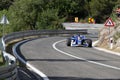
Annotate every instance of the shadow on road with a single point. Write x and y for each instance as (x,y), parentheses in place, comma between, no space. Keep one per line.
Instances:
(69,60)
(77,78)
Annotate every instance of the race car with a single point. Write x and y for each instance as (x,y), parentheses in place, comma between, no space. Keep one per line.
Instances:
(79,40)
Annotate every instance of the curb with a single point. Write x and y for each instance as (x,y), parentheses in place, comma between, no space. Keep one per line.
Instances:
(105,50)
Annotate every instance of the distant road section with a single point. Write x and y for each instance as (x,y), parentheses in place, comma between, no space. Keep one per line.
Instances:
(76,26)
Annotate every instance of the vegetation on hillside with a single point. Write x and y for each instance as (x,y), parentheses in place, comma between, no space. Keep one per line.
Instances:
(109,34)
(49,14)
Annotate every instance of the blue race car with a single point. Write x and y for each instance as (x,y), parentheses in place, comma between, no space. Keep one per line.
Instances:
(79,40)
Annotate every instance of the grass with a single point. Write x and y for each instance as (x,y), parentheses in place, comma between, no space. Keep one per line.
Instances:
(1,60)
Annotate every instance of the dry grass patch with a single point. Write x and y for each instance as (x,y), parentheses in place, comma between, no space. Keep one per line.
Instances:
(1,60)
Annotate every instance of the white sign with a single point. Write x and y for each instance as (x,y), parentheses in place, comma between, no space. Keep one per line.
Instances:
(109,22)
(4,20)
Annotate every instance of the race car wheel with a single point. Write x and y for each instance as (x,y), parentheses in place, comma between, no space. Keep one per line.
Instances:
(88,42)
(68,42)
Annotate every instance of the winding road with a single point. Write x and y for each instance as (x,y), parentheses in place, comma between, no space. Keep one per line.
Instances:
(53,58)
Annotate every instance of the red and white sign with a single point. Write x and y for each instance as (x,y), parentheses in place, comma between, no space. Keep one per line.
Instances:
(109,22)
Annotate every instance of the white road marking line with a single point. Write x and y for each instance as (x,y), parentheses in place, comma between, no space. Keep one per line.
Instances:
(37,71)
(101,64)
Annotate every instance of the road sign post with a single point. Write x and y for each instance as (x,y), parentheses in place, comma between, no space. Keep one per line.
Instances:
(4,21)
(109,23)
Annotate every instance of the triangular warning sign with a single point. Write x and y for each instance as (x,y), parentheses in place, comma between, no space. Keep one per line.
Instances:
(109,22)
(4,20)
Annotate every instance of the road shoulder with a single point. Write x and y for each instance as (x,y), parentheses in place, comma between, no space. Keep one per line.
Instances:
(105,50)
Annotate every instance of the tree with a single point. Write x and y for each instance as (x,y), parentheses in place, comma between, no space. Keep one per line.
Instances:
(69,8)
(49,19)
(49,14)
(5,4)
(101,9)
(24,14)
(30,15)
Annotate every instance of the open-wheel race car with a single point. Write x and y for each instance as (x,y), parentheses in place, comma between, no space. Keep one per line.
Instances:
(79,40)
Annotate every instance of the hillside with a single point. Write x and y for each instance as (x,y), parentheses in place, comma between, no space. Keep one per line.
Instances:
(113,33)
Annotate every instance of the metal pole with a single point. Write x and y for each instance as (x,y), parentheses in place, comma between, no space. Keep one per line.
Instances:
(109,33)
(3,29)
(109,38)
(2,51)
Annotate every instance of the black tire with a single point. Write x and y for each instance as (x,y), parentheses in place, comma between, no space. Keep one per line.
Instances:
(89,42)
(68,42)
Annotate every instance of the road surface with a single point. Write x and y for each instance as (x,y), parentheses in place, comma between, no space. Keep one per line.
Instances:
(59,62)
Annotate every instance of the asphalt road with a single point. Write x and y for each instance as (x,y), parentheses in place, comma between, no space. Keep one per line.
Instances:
(59,62)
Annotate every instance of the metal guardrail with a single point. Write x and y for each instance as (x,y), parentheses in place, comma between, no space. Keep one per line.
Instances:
(9,72)
(23,34)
